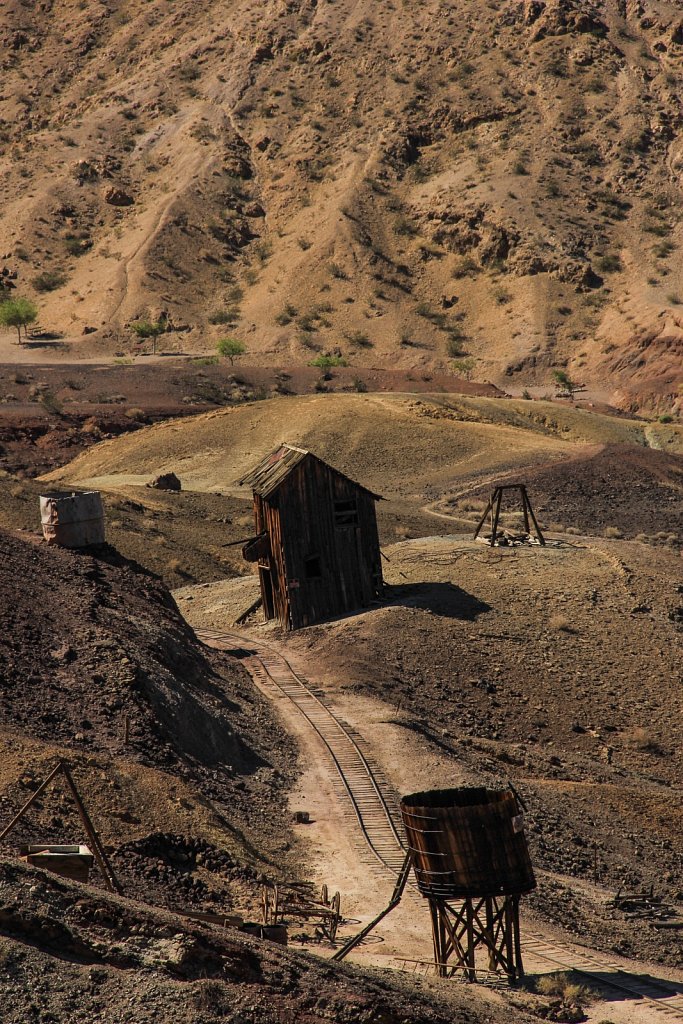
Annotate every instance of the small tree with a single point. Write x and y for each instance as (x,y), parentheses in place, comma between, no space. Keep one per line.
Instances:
(229,348)
(565,386)
(150,329)
(18,313)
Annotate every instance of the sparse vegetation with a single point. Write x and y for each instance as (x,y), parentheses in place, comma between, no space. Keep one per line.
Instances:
(326,362)
(610,263)
(18,313)
(49,280)
(230,348)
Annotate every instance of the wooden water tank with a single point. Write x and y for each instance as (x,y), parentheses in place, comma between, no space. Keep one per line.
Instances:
(467,842)
(72,520)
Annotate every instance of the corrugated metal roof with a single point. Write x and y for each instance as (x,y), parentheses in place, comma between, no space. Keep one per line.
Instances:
(266,477)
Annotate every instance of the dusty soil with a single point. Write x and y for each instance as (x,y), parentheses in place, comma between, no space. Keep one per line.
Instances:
(570,689)
(71,952)
(622,489)
(50,413)
(429,455)
(355,180)
(192,806)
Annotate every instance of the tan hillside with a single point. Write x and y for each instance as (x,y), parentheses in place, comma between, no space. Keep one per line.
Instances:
(392,182)
(395,444)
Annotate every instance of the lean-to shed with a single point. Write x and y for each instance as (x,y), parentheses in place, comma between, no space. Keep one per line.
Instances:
(317,546)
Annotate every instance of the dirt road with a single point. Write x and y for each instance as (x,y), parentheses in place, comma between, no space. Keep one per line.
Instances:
(342,858)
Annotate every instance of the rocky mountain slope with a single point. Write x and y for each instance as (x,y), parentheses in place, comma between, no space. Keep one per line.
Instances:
(393,183)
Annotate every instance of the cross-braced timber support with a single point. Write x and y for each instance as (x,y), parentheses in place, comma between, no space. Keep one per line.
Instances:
(490,923)
(493,510)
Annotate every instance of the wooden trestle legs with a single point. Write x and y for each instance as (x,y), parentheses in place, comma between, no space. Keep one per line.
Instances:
(460,928)
(493,510)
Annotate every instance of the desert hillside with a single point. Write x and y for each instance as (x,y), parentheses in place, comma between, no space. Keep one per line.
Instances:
(362,180)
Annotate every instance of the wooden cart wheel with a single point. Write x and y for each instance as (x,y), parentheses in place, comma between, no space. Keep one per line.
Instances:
(336,917)
(324,899)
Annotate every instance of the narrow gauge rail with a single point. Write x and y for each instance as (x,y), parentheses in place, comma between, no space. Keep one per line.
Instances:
(370,806)
(653,992)
(381,832)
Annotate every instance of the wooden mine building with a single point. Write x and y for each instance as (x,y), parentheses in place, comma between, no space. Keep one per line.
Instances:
(317,546)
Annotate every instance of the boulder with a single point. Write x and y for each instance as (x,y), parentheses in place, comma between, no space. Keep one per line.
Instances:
(165,482)
(118,197)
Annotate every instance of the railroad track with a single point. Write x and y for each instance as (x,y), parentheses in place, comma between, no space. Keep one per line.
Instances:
(651,992)
(383,836)
(370,805)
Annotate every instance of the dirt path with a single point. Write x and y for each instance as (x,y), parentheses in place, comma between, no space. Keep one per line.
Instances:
(341,857)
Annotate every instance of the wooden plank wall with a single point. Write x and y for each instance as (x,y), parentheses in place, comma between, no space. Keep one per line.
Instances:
(349,555)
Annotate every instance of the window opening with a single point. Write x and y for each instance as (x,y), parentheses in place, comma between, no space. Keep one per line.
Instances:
(312,568)
(346,513)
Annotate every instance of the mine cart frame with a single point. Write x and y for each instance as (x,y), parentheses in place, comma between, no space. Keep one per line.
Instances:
(280,902)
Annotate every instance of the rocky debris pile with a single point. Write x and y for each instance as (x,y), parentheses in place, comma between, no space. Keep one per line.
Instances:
(71,952)
(191,870)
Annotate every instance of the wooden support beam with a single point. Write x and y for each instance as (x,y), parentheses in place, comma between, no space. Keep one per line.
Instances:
(496,516)
(401,882)
(483,519)
(110,879)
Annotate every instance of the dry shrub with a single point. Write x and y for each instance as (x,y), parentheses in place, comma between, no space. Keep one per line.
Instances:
(574,530)
(174,564)
(644,740)
(212,997)
(569,991)
(138,415)
(560,623)
(16,491)
(613,533)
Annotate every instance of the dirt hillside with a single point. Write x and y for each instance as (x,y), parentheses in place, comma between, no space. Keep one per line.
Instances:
(355,178)
(70,952)
(394,444)
(558,669)
(94,641)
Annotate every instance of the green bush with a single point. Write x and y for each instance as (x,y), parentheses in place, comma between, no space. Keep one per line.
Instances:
(324,362)
(18,313)
(230,348)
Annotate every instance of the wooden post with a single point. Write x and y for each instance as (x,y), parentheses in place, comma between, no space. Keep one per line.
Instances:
(541,538)
(498,497)
(483,519)
(518,941)
(525,509)
(32,799)
(470,974)
(105,867)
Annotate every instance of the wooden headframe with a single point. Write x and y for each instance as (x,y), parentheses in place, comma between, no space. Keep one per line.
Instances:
(493,510)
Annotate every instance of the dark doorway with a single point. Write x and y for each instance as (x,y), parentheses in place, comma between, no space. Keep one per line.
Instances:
(267,592)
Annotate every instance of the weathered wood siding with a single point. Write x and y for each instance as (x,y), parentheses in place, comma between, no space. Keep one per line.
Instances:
(267,517)
(325,558)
